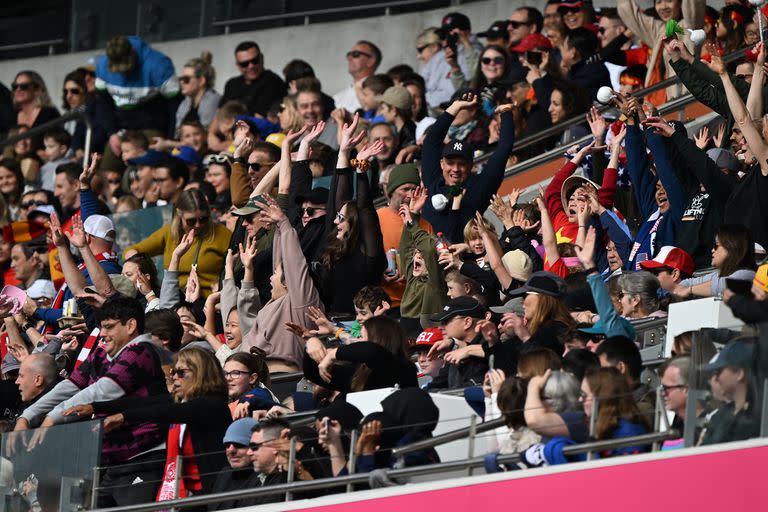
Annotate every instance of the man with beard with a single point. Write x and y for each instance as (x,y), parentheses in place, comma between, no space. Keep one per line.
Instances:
(403,182)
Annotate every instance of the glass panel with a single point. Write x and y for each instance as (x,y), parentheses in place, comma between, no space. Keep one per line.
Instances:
(133,227)
(53,467)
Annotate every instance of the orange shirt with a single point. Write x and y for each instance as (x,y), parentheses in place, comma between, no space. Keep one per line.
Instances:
(392,230)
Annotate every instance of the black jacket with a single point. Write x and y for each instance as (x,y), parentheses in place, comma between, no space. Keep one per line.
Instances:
(207,418)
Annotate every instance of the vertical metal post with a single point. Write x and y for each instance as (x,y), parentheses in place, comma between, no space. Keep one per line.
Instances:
(95,488)
(87,144)
(291,467)
(659,416)
(471,441)
(764,411)
(72,26)
(138,19)
(689,425)
(201,28)
(306,20)
(352,456)
(50,49)
(592,423)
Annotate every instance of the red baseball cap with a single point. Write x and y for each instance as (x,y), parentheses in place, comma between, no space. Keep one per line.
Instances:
(532,41)
(672,257)
(428,338)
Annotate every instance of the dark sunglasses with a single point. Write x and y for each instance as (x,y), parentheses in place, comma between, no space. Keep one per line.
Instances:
(568,10)
(355,54)
(667,389)
(197,221)
(181,372)
(601,30)
(492,60)
(32,204)
(255,61)
(236,445)
(25,86)
(257,167)
(420,49)
(74,90)
(518,24)
(310,211)
(185,79)
(255,446)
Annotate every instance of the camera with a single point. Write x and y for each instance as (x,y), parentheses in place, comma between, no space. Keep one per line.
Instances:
(533,58)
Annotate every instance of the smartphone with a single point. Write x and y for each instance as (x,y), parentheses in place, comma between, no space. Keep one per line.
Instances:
(533,58)
(450,41)
(491,362)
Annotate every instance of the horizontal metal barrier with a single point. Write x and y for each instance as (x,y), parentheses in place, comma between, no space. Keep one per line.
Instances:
(392,474)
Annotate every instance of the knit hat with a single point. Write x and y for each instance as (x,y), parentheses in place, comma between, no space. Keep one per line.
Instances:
(761,277)
(239,431)
(519,262)
(121,57)
(396,96)
(403,174)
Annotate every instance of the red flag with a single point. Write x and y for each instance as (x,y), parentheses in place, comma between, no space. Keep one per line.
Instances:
(23,231)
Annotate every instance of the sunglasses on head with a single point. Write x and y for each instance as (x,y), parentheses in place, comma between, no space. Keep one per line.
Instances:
(255,61)
(185,79)
(73,90)
(492,60)
(518,24)
(217,159)
(197,221)
(24,86)
(356,54)
(310,211)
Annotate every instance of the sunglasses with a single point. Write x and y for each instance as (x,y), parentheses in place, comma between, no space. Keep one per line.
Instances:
(255,446)
(310,211)
(217,159)
(257,167)
(32,204)
(568,10)
(24,86)
(420,49)
(340,217)
(601,30)
(235,445)
(355,54)
(254,61)
(74,90)
(667,389)
(180,372)
(185,79)
(492,60)
(197,221)
(518,24)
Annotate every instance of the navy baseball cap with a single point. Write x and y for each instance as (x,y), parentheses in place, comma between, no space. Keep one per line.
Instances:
(151,158)
(458,148)
(736,354)
(460,306)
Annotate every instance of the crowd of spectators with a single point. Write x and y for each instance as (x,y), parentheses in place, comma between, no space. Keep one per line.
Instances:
(277,261)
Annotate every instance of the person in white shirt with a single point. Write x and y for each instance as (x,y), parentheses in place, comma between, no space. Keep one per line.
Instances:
(436,70)
(362,61)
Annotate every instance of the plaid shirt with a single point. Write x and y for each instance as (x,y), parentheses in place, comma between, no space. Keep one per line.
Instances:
(136,369)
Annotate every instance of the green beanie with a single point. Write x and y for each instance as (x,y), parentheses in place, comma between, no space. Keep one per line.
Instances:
(401,175)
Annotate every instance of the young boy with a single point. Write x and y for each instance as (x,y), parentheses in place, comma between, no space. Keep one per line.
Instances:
(57,143)
(373,86)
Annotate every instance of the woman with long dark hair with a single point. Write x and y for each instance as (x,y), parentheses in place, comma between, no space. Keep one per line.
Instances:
(354,255)
(75,95)
(192,227)
(11,186)
(380,359)
(733,256)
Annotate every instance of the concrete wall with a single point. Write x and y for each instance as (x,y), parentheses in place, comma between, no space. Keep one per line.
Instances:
(323,45)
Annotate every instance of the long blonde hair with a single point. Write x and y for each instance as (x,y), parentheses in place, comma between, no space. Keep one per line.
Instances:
(207,375)
(43,99)
(296,122)
(189,201)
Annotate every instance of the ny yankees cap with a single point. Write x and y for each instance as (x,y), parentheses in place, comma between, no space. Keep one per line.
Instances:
(458,148)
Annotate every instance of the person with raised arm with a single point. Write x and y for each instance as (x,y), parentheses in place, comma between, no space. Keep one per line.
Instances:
(455,193)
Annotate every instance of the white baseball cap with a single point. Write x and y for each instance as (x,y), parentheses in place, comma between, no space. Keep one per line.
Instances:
(100,227)
(42,288)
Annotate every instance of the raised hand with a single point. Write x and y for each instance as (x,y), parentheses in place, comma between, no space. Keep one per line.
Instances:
(661,126)
(292,136)
(495,379)
(57,235)
(506,107)
(298,330)
(702,137)
(586,254)
(89,172)
(242,132)
(370,150)
(314,133)
(77,236)
(418,199)
(467,100)
(272,212)
(192,290)
(502,210)
(368,442)
(184,244)
(142,283)
(248,252)
(716,63)
(348,137)
(718,138)
(488,330)
(596,123)
(618,139)
(317,317)
(194,329)
(405,214)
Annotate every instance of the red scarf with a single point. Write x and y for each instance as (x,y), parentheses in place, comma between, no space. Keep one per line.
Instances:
(178,435)
(89,344)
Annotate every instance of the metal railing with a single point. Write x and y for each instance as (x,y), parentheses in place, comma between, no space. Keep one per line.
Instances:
(50,43)
(392,474)
(77,114)
(318,12)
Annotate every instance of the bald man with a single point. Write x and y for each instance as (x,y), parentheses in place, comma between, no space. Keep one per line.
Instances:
(37,375)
